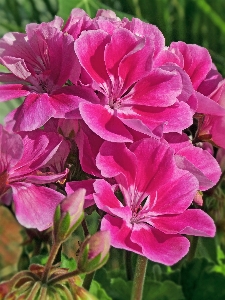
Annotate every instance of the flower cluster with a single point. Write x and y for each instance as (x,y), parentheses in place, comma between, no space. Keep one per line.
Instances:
(110,109)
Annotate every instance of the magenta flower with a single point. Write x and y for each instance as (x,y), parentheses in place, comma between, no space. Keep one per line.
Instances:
(154,213)
(40,63)
(133,95)
(21,180)
(212,125)
(196,160)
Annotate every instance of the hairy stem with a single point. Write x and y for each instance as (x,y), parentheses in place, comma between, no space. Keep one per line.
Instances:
(54,250)
(139,278)
(64,277)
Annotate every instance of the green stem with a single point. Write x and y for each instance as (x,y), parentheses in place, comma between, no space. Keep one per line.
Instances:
(128,264)
(194,244)
(85,228)
(51,258)
(139,278)
(88,280)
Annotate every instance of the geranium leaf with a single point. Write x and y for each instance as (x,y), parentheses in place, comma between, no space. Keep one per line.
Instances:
(68,263)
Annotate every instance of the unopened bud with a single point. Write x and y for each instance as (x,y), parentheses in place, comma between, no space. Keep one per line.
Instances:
(68,215)
(94,252)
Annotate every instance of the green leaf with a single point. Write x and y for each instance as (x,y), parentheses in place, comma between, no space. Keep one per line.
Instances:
(102,277)
(195,276)
(167,290)
(98,291)
(207,247)
(120,289)
(90,6)
(68,263)
(6,107)
(39,259)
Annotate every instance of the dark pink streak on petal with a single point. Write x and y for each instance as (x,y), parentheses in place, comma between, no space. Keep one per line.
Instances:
(90,47)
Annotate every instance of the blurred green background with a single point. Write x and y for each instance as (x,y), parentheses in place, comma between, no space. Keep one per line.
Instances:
(199,22)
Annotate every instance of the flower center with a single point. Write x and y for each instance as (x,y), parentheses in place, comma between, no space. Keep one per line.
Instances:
(135,214)
(115,103)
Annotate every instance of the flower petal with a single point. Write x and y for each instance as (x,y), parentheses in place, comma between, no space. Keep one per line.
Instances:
(35,205)
(160,247)
(192,222)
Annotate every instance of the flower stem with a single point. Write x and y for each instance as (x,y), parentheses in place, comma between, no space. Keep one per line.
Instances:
(51,258)
(194,244)
(88,280)
(64,276)
(139,278)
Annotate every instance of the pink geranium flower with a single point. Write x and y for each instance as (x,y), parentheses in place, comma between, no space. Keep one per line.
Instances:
(154,214)
(40,63)
(21,179)
(133,95)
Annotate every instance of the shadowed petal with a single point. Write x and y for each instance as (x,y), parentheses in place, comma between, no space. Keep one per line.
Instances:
(35,205)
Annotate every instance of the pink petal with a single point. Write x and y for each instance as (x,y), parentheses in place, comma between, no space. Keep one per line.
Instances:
(197,61)
(12,91)
(120,234)
(114,159)
(90,47)
(104,123)
(43,178)
(88,144)
(160,247)
(208,106)
(39,147)
(191,221)
(175,117)
(148,31)
(107,201)
(72,186)
(159,89)
(201,164)
(35,205)
(121,44)
(17,66)
(35,111)
(156,164)
(11,149)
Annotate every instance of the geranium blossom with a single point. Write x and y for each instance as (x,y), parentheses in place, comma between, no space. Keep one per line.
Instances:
(40,63)
(21,179)
(133,95)
(157,194)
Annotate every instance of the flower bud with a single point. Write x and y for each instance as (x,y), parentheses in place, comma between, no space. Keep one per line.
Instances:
(94,252)
(68,215)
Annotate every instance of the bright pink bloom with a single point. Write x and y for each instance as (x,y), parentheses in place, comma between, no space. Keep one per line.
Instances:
(40,63)
(77,22)
(21,159)
(133,95)
(154,213)
(196,160)
(212,125)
